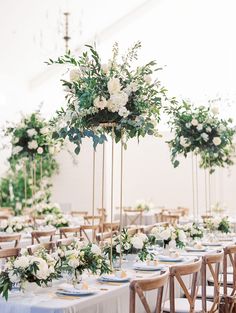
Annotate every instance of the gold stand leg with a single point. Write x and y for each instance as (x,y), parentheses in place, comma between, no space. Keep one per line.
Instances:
(103,188)
(196,176)
(112,191)
(93,197)
(121,196)
(193,189)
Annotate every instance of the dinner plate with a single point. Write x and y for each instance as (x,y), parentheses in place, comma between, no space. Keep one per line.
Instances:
(212,244)
(145,267)
(165,258)
(75,292)
(113,278)
(192,249)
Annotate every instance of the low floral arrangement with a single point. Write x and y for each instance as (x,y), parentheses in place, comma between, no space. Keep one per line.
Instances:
(79,257)
(170,235)
(16,224)
(102,98)
(143,205)
(218,224)
(44,209)
(136,244)
(57,220)
(200,130)
(40,269)
(32,137)
(193,231)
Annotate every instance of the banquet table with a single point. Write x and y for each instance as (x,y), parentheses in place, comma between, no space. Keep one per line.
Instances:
(109,297)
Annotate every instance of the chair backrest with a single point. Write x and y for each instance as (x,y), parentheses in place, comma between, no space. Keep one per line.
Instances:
(133,216)
(85,229)
(229,259)
(211,263)
(64,231)
(139,287)
(111,226)
(146,229)
(79,213)
(64,242)
(90,219)
(182,211)
(176,273)
(133,230)
(9,253)
(49,246)
(9,238)
(100,237)
(172,219)
(36,235)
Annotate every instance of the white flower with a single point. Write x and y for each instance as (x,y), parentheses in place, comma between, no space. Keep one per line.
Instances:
(142,236)
(184,142)
(14,278)
(182,236)
(16,150)
(105,67)
(74,74)
(137,242)
(118,248)
(194,122)
(40,150)
(205,137)
(22,261)
(15,140)
(133,86)
(32,144)
(44,130)
(165,234)
(147,79)
(127,246)
(100,103)
(31,132)
(119,99)
(216,141)
(215,110)
(51,150)
(199,127)
(95,249)
(208,129)
(114,86)
(123,112)
(188,125)
(43,270)
(172,244)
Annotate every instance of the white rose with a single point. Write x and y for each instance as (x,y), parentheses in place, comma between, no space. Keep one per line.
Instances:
(194,122)
(165,234)
(95,249)
(33,144)
(31,132)
(43,271)
(9,230)
(16,150)
(100,103)
(215,110)
(74,74)
(147,79)
(142,236)
(119,99)
(114,86)
(40,150)
(123,112)
(208,129)
(199,127)
(216,141)
(137,242)
(44,130)
(22,261)
(184,142)
(205,137)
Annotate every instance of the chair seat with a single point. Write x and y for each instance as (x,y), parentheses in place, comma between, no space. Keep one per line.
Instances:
(210,292)
(182,306)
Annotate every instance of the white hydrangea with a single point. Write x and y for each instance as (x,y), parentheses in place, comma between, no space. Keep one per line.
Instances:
(123,112)
(137,242)
(31,132)
(119,99)
(100,103)
(44,130)
(14,278)
(182,235)
(95,249)
(22,262)
(165,234)
(16,150)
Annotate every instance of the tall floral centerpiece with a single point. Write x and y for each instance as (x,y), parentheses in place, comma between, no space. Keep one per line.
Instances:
(114,93)
(200,130)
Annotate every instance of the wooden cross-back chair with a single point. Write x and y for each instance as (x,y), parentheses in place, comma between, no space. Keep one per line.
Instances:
(140,286)
(48,246)
(133,216)
(211,263)
(84,232)
(101,237)
(182,211)
(64,242)
(79,213)
(133,230)
(229,279)
(64,231)
(189,304)
(172,219)
(9,253)
(90,219)
(111,226)
(38,235)
(15,238)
